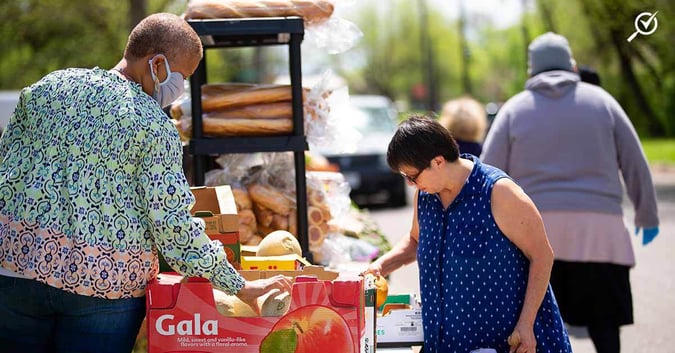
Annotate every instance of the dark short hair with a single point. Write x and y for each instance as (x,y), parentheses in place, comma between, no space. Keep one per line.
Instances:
(589,75)
(163,33)
(417,141)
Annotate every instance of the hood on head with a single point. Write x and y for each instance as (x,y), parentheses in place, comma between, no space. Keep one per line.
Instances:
(553,84)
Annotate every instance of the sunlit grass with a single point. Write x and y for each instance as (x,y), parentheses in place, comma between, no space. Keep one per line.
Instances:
(660,151)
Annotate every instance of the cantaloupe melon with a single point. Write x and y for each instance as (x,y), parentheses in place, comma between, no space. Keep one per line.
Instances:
(273,303)
(279,242)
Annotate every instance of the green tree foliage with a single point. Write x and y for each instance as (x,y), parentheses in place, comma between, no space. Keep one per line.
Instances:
(40,36)
(640,74)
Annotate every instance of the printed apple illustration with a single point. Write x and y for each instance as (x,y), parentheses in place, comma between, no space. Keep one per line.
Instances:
(309,329)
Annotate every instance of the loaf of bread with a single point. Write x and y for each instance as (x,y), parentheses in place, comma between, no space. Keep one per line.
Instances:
(270,198)
(246,127)
(247,225)
(246,233)
(280,222)
(241,198)
(314,215)
(255,240)
(219,97)
(316,235)
(263,215)
(255,111)
(293,222)
(215,89)
(312,11)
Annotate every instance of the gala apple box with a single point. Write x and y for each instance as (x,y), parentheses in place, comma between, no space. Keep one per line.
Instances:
(328,314)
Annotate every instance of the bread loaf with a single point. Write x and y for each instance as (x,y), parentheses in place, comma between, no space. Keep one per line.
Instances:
(316,235)
(246,127)
(280,222)
(247,225)
(255,111)
(312,11)
(265,230)
(314,215)
(293,221)
(263,215)
(215,89)
(230,97)
(241,198)
(255,240)
(271,198)
(246,233)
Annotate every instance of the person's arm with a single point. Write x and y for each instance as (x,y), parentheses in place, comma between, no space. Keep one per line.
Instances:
(520,221)
(403,252)
(179,238)
(635,170)
(497,147)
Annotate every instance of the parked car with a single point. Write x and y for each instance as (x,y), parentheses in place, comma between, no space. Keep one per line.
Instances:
(365,168)
(8,101)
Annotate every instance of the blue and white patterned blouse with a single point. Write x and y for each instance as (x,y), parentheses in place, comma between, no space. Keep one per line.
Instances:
(473,278)
(91,186)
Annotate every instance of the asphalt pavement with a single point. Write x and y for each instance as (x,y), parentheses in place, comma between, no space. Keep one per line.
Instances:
(652,279)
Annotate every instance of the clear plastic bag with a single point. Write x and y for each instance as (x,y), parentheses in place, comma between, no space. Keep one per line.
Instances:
(322,27)
(336,35)
(324,114)
(312,11)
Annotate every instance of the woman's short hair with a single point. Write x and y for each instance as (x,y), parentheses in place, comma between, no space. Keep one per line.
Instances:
(163,33)
(417,141)
(465,118)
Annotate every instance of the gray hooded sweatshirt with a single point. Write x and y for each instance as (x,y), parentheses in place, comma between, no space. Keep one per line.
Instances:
(566,143)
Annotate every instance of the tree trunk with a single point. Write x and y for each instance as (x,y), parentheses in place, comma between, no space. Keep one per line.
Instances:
(138,9)
(427,58)
(464,51)
(547,15)
(525,33)
(654,126)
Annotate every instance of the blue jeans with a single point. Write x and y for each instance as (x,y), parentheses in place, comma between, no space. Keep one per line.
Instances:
(37,318)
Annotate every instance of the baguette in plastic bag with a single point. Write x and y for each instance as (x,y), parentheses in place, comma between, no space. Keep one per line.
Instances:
(312,11)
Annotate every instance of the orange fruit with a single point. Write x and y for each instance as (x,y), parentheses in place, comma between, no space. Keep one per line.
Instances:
(382,289)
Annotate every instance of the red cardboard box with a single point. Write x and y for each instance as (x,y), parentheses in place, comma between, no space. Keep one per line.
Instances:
(216,206)
(327,315)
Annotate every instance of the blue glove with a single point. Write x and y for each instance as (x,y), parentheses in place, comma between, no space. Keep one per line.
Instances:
(648,234)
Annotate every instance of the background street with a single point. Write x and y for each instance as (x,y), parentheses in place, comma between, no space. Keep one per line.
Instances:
(652,279)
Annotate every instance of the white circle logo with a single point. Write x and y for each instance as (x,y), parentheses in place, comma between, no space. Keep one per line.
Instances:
(646,23)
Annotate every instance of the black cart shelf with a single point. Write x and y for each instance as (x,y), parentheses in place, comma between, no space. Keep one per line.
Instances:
(229,33)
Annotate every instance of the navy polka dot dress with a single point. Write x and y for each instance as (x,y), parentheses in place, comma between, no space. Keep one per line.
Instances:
(473,278)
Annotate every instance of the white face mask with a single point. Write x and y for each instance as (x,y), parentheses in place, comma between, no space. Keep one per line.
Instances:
(170,89)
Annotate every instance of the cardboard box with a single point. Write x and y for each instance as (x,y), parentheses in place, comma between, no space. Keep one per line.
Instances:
(266,263)
(182,317)
(216,206)
(400,327)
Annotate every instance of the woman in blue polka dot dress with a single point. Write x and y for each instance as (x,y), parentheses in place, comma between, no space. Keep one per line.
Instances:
(484,259)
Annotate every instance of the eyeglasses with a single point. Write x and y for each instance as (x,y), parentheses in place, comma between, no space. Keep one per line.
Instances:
(412,179)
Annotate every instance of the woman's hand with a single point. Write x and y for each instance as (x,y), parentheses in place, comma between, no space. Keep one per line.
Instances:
(374,268)
(522,340)
(253,289)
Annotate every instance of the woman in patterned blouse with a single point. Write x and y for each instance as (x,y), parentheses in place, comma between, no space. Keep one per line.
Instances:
(91,189)
(482,251)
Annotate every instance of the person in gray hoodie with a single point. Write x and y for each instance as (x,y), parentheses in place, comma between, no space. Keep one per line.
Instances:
(569,145)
